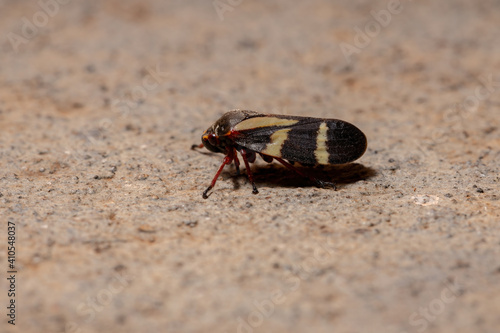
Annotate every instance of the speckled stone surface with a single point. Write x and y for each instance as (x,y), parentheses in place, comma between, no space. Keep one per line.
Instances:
(100,102)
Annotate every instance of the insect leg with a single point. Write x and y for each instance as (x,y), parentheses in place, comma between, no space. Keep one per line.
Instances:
(244,155)
(237,164)
(319,183)
(227,160)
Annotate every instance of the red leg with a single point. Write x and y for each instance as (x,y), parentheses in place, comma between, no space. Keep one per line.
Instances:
(319,183)
(237,164)
(227,160)
(249,172)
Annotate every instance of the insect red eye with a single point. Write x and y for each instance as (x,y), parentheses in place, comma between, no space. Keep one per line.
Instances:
(213,139)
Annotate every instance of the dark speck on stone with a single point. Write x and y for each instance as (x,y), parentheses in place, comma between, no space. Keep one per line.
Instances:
(90,68)
(191,224)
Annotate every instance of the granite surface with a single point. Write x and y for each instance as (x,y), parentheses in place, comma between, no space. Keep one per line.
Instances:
(100,102)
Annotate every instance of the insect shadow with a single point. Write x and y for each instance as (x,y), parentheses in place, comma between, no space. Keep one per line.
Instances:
(275,175)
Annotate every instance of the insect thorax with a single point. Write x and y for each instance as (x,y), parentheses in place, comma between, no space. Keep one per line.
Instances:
(226,123)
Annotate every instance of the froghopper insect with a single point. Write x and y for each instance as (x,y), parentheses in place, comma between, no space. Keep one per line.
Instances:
(305,140)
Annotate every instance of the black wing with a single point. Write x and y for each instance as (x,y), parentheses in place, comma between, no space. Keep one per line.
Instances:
(302,139)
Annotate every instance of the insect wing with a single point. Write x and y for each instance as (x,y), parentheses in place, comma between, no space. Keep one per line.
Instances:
(302,139)
(344,142)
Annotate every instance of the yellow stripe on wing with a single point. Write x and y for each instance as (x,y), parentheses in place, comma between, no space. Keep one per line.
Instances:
(277,140)
(257,122)
(321,152)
